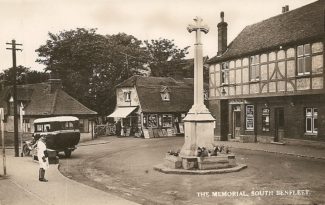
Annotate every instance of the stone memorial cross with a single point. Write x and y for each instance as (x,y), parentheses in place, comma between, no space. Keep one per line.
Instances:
(198,123)
(198,65)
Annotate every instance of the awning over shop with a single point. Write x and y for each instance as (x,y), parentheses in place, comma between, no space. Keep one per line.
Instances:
(122,112)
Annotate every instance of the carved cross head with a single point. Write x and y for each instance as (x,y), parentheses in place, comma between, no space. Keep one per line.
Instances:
(198,26)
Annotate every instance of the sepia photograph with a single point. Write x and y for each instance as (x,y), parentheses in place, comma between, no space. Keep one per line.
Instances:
(165,102)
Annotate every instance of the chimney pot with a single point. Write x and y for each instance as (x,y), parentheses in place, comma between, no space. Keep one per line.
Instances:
(54,82)
(283,9)
(222,15)
(287,8)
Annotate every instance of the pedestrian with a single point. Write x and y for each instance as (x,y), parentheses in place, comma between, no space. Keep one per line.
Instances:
(118,128)
(42,158)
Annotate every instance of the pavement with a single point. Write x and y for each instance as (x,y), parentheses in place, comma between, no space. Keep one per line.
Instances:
(21,186)
(286,149)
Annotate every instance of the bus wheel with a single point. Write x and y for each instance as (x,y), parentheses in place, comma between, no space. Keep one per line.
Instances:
(67,153)
(26,150)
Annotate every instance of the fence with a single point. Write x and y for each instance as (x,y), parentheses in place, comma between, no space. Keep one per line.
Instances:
(105,130)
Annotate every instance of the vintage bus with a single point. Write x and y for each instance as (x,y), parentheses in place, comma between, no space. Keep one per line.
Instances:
(62,133)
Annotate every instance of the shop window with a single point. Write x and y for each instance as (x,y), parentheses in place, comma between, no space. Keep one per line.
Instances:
(254,68)
(311,120)
(152,121)
(224,73)
(303,59)
(250,117)
(167,120)
(144,120)
(266,119)
(127,96)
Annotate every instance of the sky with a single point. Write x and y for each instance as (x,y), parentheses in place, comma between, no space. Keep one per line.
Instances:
(29,21)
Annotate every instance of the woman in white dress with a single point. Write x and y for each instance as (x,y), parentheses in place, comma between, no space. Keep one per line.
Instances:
(42,158)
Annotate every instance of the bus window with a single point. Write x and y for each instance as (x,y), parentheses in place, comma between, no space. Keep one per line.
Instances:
(47,128)
(39,128)
(68,125)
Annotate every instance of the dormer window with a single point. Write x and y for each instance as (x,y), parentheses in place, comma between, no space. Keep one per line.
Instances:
(165,96)
(127,96)
(165,93)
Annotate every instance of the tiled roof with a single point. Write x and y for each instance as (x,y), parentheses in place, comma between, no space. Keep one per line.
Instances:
(147,81)
(40,101)
(181,99)
(148,89)
(299,25)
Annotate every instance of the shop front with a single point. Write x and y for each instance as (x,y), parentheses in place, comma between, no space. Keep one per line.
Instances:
(277,119)
(162,124)
(126,120)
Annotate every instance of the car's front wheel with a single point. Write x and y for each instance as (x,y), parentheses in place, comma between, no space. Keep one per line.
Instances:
(26,150)
(67,153)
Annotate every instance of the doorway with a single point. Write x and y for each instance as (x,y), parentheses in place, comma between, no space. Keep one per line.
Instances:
(236,122)
(279,124)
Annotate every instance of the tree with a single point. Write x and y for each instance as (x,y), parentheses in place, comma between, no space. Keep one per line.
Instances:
(126,57)
(71,55)
(24,76)
(165,56)
(91,65)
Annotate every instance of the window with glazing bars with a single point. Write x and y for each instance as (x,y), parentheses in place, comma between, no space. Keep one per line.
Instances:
(254,68)
(224,73)
(311,120)
(303,59)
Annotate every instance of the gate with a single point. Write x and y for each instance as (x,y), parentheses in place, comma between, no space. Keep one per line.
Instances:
(105,130)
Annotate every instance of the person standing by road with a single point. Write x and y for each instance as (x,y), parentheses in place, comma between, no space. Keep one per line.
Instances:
(42,158)
(118,128)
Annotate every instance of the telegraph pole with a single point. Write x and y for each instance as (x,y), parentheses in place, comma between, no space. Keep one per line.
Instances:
(3,142)
(14,49)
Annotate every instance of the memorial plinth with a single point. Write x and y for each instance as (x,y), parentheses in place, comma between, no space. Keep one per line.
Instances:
(198,132)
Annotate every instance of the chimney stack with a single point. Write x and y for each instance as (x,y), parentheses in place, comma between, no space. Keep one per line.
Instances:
(54,82)
(222,35)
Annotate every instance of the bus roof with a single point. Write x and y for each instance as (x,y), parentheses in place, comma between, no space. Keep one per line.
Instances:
(56,119)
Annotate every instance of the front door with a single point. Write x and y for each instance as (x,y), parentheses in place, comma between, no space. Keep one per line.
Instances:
(236,124)
(279,124)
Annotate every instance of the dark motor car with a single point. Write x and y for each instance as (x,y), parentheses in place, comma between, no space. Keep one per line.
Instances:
(62,133)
